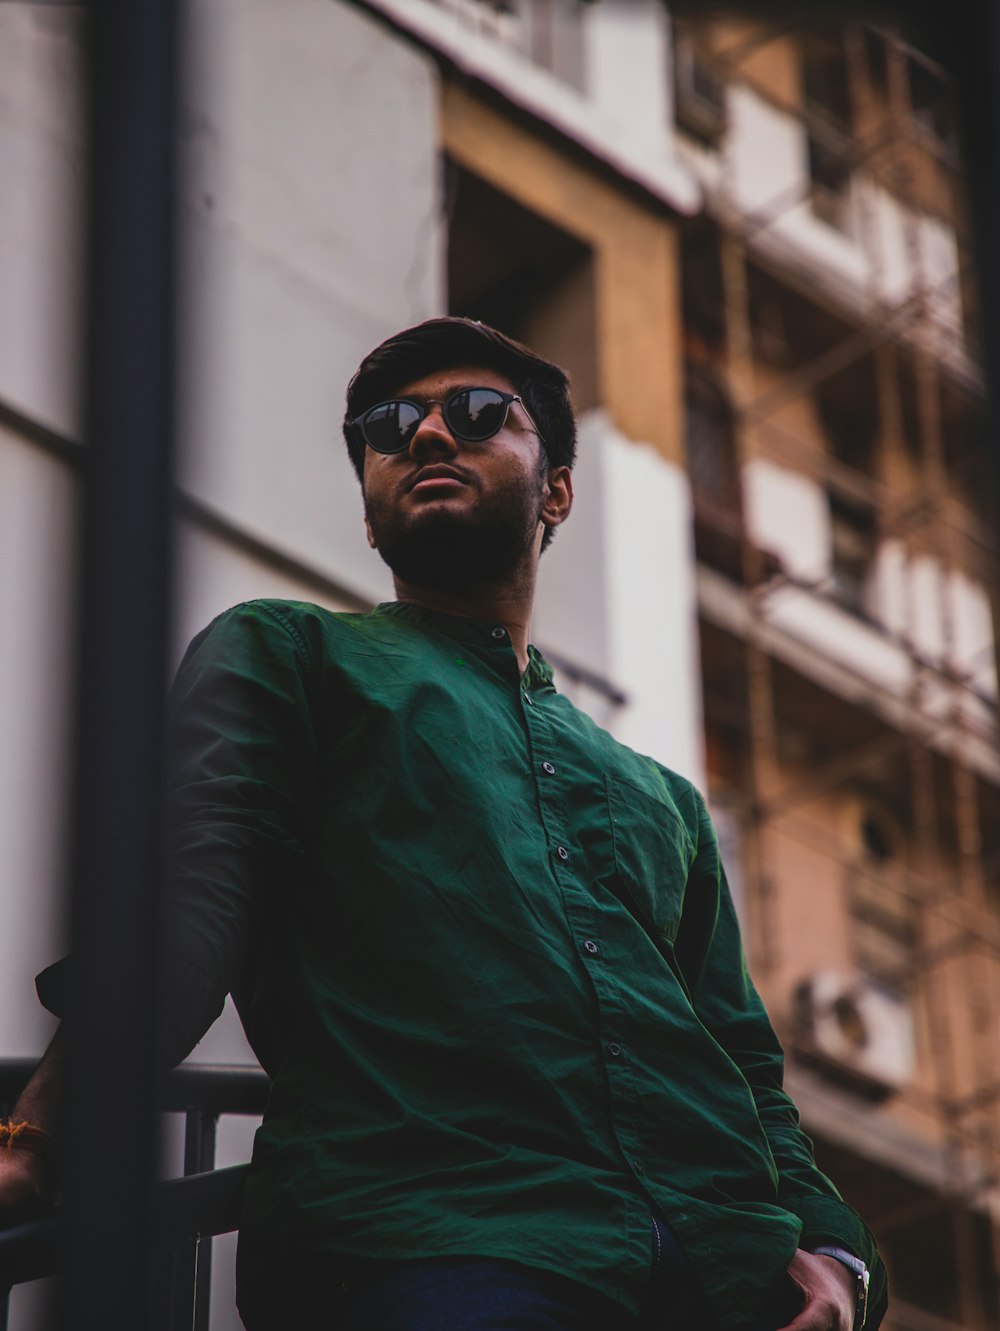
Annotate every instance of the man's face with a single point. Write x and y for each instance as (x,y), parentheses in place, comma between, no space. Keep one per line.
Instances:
(451,513)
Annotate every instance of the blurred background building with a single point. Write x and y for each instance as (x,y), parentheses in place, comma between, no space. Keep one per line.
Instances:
(749,246)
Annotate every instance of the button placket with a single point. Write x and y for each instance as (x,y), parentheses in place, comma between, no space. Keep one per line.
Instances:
(569,868)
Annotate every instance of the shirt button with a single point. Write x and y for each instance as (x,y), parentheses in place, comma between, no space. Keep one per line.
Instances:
(562,852)
(499,633)
(591,947)
(614,1049)
(637,1165)
(528,699)
(547,767)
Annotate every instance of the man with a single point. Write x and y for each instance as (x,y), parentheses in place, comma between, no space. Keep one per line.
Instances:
(488,955)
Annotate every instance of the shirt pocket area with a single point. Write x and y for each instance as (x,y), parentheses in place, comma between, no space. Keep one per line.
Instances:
(653,853)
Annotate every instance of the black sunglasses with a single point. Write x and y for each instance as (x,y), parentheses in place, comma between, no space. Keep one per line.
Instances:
(472,414)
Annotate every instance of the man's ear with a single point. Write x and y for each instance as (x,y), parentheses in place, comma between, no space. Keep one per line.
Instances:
(369,534)
(558,497)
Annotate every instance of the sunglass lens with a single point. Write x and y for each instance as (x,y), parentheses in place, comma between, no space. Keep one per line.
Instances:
(476,413)
(389,426)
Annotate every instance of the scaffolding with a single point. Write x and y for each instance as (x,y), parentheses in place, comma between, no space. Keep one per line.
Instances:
(937,755)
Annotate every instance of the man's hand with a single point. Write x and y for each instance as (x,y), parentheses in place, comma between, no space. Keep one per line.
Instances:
(23,1190)
(829,1293)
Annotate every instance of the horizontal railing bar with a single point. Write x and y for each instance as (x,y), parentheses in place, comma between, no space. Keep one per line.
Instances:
(187,1208)
(216,1088)
(31,1250)
(201,1204)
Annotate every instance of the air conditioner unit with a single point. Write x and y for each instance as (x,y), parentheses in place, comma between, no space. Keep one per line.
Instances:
(854,1031)
(873,834)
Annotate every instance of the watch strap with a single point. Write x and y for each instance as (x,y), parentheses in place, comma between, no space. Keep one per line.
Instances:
(860,1272)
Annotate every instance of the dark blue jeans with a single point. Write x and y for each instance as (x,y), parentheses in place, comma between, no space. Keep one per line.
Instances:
(292,1292)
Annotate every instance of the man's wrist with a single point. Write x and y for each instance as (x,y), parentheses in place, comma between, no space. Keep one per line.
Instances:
(858,1270)
(31,1143)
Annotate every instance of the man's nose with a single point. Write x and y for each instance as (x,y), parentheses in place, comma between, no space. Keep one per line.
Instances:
(432,435)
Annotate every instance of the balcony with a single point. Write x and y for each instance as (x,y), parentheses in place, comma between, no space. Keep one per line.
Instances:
(189,1210)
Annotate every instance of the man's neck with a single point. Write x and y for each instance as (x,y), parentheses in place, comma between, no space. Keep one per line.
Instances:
(509,605)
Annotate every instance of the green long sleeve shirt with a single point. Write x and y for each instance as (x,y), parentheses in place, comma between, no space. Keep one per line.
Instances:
(487,954)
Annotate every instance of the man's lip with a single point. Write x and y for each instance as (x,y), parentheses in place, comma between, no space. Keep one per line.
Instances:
(435,474)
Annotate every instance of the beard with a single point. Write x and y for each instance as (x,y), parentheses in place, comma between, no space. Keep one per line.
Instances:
(452,551)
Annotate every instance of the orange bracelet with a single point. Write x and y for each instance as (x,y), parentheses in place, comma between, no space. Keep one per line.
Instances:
(24,1136)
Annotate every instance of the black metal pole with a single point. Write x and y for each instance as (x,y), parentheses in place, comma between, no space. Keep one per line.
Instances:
(122,605)
(967,42)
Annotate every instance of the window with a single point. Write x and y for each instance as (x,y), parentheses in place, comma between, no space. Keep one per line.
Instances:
(883,917)
(847,406)
(517,271)
(710,443)
(852,531)
(829,128)
(825,88)
(699,90)
(830,172)
(931,109)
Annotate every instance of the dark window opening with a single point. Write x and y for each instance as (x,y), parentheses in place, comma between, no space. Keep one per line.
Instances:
(830,173)
(825,87)
(847,407)
(909,410)
(931,108)
(830,125)
(965,441)
(517,271)
(702,290)
(876,61)
(884,923)
(709,442)
(699,89)
(788,328)
(852,531)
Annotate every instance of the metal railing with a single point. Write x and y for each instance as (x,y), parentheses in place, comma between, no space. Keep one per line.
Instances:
(188,1211)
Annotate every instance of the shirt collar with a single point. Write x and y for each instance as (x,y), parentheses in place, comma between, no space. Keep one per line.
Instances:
(474,632)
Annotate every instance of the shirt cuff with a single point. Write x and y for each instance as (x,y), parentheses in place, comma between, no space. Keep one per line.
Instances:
(830,1220)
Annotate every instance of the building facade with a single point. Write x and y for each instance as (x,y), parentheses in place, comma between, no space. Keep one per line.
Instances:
(748,246)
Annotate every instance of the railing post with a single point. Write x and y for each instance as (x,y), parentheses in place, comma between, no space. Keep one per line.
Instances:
(193,1266)
(122,609)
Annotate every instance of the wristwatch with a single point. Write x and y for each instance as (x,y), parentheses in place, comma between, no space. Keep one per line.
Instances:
(860,1272)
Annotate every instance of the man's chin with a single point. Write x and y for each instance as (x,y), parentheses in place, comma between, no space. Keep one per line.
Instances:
(445,552)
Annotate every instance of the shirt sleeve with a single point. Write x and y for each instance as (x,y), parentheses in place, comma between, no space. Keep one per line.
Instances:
(240,794)
(711,956)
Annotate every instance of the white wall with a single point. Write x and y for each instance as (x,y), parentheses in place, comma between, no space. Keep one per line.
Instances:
(884,250)
(312,211)
(313,220)
(788,515)
(41,170)
(945,616)
(628,66)
(617,591)
(37,518)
